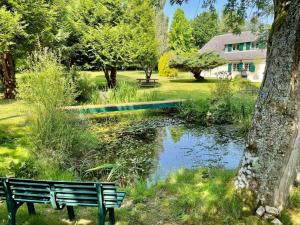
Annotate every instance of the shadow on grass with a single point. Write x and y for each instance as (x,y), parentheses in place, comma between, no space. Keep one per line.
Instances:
(205,81)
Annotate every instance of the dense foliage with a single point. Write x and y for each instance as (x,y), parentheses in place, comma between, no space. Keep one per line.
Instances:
(180,35)
(205,26)
(163,66)
(195,62)
(54,133)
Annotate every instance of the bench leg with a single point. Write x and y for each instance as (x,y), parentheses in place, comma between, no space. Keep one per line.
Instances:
(112,216)
(31,209)
(12,216)
(101,215)
(71,213)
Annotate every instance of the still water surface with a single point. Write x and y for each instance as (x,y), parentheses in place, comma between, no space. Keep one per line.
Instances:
(182,147)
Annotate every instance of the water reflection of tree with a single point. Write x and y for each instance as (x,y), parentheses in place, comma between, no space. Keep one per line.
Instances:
(176,133)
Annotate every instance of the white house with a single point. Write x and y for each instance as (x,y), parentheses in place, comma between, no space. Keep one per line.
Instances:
(243,52)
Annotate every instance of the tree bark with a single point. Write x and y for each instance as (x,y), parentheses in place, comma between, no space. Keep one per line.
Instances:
(198,76)
(269,164)
(148,73)
(110,76)
(9,79)
(113,77)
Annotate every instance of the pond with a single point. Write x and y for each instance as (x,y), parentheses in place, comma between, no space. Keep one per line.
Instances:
(192,147)
(151,149)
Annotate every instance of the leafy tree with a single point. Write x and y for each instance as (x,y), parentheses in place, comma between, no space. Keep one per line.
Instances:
(205,26)
(145,44)
(180,35)
(111,47)
(230,23)
(195,62)
(11,27)
(43,28)
(106,34)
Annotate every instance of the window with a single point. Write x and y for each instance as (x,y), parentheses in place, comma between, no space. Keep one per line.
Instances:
(247,66)
(235,66)
(235,47)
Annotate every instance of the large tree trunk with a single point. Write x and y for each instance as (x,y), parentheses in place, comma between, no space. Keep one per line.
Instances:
(9,79)
(110,76)
(273,151)
(197,75)
(148,72)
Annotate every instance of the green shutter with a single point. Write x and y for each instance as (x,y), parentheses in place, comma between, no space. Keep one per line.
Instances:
(229,47)
(252,67)
(240,67)
(261,45)
(229,68)
(248,45)
(241,46)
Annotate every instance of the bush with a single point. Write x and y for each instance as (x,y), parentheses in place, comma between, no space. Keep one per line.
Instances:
(163,66)
(55,133)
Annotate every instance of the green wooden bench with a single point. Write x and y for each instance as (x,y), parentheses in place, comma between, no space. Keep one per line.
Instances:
(59,195)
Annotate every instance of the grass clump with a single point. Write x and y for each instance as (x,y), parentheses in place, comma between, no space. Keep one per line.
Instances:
(224,106)
(54,133)
(193,197)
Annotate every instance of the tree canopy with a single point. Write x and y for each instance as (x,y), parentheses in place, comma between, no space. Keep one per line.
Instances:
(180,35)
(196,62)
(205,26)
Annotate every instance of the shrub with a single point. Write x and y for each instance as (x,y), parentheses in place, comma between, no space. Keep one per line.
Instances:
(163,66)
(55,133)
(221,103)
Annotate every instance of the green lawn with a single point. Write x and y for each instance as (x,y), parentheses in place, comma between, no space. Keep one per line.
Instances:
(184,86)
(13,129)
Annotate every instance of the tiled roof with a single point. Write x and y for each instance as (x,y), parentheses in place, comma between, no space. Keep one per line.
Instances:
(217,44)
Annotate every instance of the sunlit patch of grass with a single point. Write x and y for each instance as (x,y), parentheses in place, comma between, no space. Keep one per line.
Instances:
(13,131)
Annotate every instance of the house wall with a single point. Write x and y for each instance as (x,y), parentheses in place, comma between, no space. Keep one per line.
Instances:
(256,76)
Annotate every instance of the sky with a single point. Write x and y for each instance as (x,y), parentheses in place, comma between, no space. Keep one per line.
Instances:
(194,7)
(191,9)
